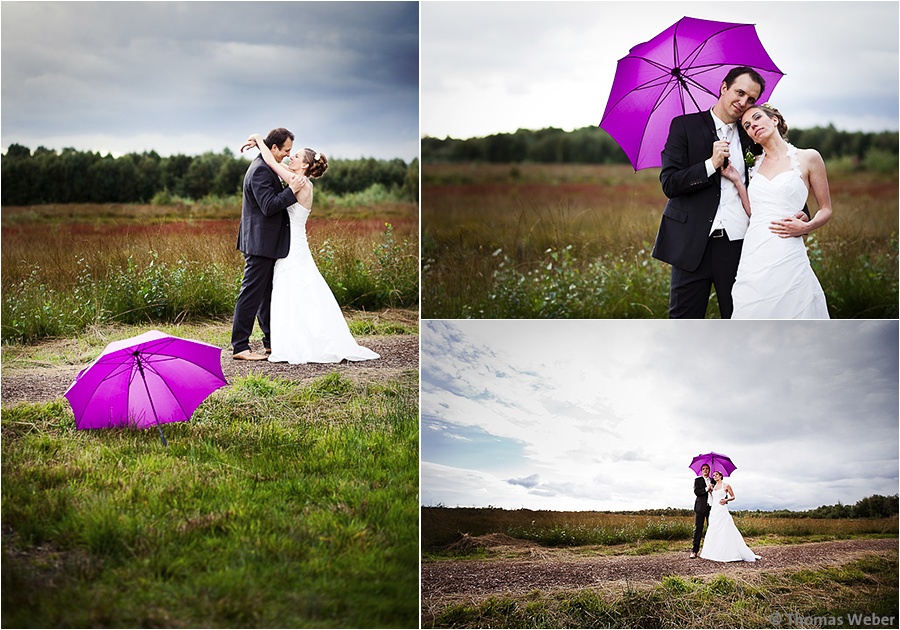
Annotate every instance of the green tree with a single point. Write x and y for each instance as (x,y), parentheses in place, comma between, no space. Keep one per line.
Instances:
(174,169)
(112,180)
(229,179)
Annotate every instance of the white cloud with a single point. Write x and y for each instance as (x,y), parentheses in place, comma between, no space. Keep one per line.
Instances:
(608,414)
(199,76)
(492,67)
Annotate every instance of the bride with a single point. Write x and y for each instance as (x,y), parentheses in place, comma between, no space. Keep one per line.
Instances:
(774,277)
(307,325)
(723,542)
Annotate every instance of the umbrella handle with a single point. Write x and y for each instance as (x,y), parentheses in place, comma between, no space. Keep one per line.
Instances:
(150,398)
(161,436)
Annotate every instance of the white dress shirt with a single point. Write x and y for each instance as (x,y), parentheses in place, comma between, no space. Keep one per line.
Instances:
(730,215)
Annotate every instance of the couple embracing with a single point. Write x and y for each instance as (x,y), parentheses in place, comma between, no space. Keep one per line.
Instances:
(735,221)
(299,317)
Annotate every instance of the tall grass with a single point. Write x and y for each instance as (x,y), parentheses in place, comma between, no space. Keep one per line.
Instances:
(386,276)
(277,505)
(556,241)
(65,269)
(442,526)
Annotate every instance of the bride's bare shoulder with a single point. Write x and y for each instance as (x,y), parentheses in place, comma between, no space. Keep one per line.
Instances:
(809,155)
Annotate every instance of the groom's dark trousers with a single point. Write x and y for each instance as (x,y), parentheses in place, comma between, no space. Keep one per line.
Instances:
(264,236)
(701,511)
(689,290)
(253,302)
(699,261)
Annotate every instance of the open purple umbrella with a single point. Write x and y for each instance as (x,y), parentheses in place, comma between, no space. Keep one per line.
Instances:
(145,381)
(677,72)
(716,461)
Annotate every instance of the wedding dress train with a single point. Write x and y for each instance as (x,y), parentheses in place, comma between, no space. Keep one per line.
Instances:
(307,325)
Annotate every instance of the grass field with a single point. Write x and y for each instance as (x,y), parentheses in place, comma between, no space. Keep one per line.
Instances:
(441,527)
(478,543)
(858,594)
(281,503)
(568,241)
(68,267)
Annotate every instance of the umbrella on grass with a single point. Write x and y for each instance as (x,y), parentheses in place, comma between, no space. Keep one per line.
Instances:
(677,72)
(145,381)
(715,461)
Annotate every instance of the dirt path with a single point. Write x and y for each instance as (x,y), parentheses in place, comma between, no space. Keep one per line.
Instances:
(43,383)
(554,570)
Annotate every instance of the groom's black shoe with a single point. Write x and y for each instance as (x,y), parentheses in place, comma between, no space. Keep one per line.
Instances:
(268,351)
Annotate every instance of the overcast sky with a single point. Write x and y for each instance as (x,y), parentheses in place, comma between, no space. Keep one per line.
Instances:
(494,67)
(190,77)
(607,414)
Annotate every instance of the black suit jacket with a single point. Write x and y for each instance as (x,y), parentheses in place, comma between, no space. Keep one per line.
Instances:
(701,503)
(265,227)
(693,197)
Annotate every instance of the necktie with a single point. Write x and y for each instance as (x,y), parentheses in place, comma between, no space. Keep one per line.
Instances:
(725,134)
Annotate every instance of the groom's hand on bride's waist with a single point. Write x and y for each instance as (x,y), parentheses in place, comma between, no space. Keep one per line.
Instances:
(789,228)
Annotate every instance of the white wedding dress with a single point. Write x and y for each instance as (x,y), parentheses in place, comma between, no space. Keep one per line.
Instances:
(307,325)
(723,542)
(774,277)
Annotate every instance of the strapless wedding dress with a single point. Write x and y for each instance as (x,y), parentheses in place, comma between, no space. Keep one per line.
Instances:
(774,277)
(723,542)
(307,325)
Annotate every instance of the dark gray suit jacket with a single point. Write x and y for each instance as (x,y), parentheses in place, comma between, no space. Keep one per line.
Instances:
(265,226)
(693,197)
(701,503)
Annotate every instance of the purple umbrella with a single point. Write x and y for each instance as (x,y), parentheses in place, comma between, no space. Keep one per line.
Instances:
(715,461)
(677,72)
(145,381)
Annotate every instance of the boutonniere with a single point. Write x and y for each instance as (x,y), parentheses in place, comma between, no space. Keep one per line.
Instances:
(749,159)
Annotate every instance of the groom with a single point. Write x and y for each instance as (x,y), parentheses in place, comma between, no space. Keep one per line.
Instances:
(264,236)
(702,487)
(704,222)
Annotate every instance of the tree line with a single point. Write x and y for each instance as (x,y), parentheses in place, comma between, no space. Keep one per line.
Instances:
(875,506)
(69,176)
(592,145)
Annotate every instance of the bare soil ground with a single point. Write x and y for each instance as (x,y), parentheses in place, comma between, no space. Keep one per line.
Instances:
(550,570)
(40,382)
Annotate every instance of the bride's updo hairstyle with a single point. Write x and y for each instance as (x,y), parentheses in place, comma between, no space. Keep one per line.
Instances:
(774,114)
(318,163)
